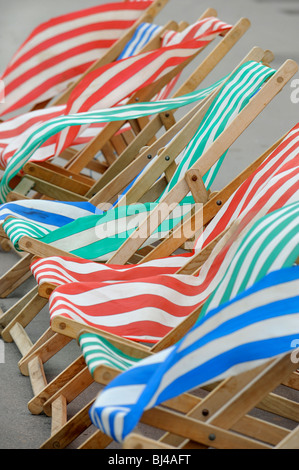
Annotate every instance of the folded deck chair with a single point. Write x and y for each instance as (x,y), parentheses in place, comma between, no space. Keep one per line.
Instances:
(59,51)
(114,84)
(247,339)
(184,294)
(245,250)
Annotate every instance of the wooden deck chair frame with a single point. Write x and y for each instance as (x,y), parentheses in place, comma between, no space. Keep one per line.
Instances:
(195,262)
(224,415)
(66,183)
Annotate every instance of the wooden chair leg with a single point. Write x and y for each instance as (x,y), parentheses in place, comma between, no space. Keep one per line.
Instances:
(24,317)
(18,274)
(59,414)
(45,352)
(21,339)
(98,440)
(36,404)
(37,375)
(70,390)
(70,431)
(11,313)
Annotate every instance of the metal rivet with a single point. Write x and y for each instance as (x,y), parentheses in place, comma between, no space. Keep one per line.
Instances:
(62,326)
(167,115)
(212,437)
(194,178)
(219,202)
(205,412)
(280,79)
(167,158)
(149,156)
(136,99)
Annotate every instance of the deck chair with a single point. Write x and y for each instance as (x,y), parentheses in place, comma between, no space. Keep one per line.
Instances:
(28,298)
(60,51)
(102,359)
(112,129)
(245,343)
(279,184)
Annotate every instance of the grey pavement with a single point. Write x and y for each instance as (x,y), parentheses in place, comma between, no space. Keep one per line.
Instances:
(274,26)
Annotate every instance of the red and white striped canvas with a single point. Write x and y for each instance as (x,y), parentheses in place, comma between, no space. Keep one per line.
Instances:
(151,285)
(60,50)
(109,86)
(118,81)
(286,153)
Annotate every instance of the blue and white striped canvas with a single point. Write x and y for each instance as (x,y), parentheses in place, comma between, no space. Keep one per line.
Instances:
(143,34)
(258,324)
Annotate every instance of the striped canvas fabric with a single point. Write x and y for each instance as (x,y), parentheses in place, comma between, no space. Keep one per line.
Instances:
(111,84)
(63,270)
(143,34)
(15,131)
(107,86)
(48,131)
(284,158)
(274,181)
(98,351)
(147,309)
(90,234)
(60,50)
(243,333)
